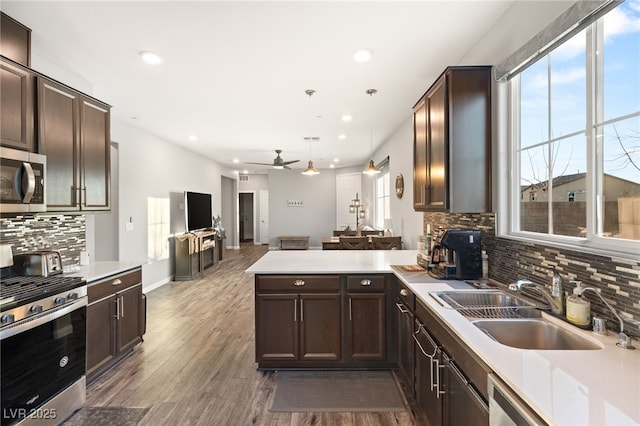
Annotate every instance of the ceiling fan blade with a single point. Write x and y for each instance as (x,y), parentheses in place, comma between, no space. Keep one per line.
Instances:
(290,162)
(260,164)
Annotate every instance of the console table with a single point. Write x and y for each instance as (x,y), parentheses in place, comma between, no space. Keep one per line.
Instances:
(293,242)
(195,251)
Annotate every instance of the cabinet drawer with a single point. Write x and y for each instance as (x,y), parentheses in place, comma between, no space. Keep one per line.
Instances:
(297,283)
(366,283)
(113,284)
(406,296)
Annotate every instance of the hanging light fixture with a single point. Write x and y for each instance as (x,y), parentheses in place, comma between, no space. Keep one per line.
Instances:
(371,169)
(310,170)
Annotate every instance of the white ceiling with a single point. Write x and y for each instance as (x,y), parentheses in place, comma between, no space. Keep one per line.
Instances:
(235,73)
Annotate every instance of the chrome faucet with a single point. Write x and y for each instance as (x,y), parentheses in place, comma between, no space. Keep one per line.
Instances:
(555,302)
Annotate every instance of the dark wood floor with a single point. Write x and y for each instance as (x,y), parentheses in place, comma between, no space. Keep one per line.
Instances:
(196,365)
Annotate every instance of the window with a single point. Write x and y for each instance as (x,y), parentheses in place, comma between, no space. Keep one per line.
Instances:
(575,122)
(158,228)
(383,199)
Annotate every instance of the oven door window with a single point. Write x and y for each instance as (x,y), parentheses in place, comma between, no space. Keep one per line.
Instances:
(40,362)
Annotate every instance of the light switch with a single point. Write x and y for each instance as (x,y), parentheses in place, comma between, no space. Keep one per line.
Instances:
(294,203)
(128,226)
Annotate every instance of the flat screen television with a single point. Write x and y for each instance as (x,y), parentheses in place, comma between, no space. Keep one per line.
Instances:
(197,210)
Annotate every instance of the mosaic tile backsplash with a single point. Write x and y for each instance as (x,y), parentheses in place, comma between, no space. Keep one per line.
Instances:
(618,280)
(63,233)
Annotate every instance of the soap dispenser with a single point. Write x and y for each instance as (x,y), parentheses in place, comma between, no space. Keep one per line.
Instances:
(578,308)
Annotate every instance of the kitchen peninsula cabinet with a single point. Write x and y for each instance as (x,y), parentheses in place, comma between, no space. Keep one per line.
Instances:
(17,96)
(297,319)
(114,319)
(452,143)
(74,134)
(366,317)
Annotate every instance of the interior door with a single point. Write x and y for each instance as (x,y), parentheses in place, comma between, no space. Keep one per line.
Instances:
(264,217)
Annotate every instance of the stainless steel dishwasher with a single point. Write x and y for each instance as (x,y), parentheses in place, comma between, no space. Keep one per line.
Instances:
(506,408)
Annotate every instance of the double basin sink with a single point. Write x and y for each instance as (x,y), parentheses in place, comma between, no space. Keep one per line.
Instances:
(512,321)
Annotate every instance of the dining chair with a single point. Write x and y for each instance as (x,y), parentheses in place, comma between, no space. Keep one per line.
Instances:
(386,243)
(353,243)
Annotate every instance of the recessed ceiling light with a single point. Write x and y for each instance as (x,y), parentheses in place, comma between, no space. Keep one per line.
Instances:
(193,138)
(342,136)
(235,160)
(362,55)
(347,118)
(149,57)
(335,160)
(332,166)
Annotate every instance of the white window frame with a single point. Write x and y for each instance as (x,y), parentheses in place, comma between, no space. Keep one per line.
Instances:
(381,198)
(507,94)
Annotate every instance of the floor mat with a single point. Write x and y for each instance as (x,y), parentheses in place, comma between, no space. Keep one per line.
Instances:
(106,416)
(336,391)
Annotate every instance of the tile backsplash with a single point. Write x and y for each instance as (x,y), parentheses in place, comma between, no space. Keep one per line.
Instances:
(63,233)
(617,279)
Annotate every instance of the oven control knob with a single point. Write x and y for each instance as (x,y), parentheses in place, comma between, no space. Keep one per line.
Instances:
(7,319)
(35,309)
(72,296)
(59,301)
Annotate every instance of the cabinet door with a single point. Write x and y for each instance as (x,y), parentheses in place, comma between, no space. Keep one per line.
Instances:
(420,154)
(276,327)
(462,404)
(128,332)
(428,375)
(320,327)
(405,348)
(437,146)
(366,327)
(95,167)
(101,329)
(58,136)
(17,102)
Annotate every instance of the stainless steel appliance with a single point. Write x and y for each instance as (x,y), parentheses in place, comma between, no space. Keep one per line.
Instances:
(457,254)
(40,263)
(507,409)
(22,181)
(43,347)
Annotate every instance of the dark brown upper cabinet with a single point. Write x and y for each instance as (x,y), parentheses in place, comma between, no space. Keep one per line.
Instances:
(73,132)
(15,40)
(17,96)
(452,143)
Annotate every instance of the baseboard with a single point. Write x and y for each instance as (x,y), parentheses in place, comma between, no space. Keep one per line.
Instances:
(157,284)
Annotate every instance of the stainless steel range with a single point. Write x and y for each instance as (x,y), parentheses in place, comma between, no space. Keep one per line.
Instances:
(43,345)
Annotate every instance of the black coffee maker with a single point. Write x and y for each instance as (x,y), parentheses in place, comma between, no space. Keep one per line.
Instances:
(460,254)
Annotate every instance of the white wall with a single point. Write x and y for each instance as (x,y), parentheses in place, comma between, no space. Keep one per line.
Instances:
(316,218)
(153,167)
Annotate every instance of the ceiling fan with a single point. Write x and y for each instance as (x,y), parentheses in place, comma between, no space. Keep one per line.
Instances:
(278,162)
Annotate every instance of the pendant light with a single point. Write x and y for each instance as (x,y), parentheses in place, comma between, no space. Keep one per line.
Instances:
(310,170)
(371,169)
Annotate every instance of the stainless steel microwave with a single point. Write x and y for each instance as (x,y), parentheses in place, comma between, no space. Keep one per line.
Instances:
(22,181)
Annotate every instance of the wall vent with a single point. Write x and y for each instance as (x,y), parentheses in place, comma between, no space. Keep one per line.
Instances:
(244,178)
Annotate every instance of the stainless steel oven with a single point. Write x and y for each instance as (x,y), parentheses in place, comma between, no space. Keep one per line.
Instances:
(22,181)
(43,347)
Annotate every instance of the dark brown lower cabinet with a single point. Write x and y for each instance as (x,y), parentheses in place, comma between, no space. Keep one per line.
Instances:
(450,383)
(324,321)
(115,320)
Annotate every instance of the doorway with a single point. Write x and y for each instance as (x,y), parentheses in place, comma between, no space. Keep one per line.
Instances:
(246,216)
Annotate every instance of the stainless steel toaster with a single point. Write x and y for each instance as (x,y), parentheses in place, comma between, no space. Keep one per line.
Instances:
(39,263)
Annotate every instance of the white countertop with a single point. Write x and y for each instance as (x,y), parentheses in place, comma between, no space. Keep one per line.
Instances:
(565,387)
(572,387)
(331,261)
(98,270)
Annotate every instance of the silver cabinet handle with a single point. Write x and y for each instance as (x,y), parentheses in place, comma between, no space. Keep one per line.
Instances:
(350,309)
(401,308)
(404,292)
(295,310)
(301,310)
(299,283)
(438,368)
(117,315)
(365,282)
(121,306)
(117,281)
